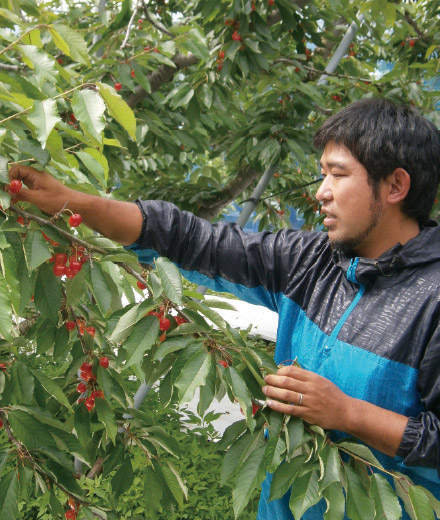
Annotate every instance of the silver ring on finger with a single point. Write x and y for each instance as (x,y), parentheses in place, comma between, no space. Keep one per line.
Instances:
(300,400)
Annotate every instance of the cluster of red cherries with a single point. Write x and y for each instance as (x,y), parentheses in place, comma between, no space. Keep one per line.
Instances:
(69,266)
(72,513)
(88,383)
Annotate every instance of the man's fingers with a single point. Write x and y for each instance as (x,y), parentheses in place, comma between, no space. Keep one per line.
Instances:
(26,174)
(290,409)
(295,397)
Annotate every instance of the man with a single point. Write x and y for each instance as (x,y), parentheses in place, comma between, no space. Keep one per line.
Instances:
(359,306)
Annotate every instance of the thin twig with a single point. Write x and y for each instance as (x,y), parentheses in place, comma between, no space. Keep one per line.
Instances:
(154,24)
(130,23)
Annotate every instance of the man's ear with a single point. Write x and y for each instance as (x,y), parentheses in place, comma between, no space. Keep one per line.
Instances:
(398,184)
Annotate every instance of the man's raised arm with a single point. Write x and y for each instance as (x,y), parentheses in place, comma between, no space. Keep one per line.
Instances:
(117,220)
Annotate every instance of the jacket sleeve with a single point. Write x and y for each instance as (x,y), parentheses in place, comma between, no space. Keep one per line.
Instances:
(254,266)
(420,445)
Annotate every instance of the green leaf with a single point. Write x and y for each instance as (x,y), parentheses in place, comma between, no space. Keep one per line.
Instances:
(59,41)
(5,310)
(250,476)
(50,386)
(75,42)
(193,375)
(125,324)
(152,489)
(385,500)
(332,466)
(99,287)
(421,506)
(241,393)
(141,339)
(4,177)
(175,483)
(36,249)
(335,499)
(89,109)
(75,288)
(118,109)
(22,384)
(65,477)
(47,293)
(360,450)
(359,504)
(123,479)
(171,280)
(284,477)
(107,417)
(305,493)
(44,117)
(9,496)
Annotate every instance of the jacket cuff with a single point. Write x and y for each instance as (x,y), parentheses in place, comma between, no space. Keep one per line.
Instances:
(139,241)
(411,437)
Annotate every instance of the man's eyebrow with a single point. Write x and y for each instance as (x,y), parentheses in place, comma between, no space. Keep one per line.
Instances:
(334,164)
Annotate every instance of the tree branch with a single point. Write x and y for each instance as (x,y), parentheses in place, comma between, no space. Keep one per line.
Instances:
(213,206)
(164,74)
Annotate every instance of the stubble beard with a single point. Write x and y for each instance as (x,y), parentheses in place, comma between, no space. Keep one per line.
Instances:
(348,246)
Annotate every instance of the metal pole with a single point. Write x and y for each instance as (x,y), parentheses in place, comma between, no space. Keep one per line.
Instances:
(341,50)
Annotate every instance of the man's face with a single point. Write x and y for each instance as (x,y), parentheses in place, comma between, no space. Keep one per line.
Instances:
(354,215)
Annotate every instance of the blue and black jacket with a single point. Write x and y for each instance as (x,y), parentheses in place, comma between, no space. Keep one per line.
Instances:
(371,326)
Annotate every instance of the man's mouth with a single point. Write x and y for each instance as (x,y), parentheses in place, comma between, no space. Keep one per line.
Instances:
(329,219)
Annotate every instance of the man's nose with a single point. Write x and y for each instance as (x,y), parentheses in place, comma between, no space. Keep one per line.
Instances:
(324,191)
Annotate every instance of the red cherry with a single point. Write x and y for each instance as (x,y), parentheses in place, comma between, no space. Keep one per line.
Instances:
(118,87)
(141,286)
(255,408)
(162,338)
(81,388)
(91,331)
(221,55)
(179,320)
(15,186)
(90,403)
(60,259)
(132,73)
(223,363)
(236,37)
(75,266)
(103,362)
(164,324)
(59,270)
(86,367)
(156,49)
(21,221)
(147,49)
(70,325)
(72,118)
(412,43)
(70,274)
(271,2)
(219,66)
(140,21)
(402,43)
(297,69)
(70,515)
(75,220)
(1,423)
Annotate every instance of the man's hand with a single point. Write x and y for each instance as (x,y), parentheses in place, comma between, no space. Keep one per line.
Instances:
(317,400)
(322,402)
(117,220)
(43,190)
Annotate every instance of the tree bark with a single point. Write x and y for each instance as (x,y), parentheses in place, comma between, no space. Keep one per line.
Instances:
(223,197)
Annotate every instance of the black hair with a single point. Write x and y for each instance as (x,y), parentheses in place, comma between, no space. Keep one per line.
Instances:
(383,136)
